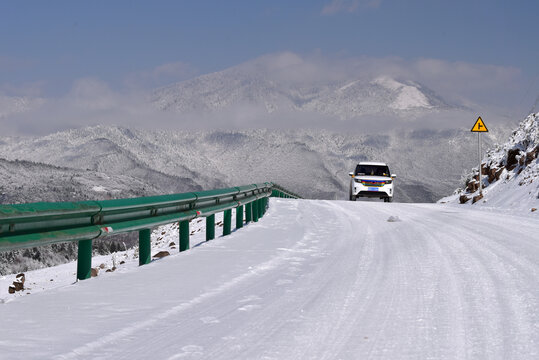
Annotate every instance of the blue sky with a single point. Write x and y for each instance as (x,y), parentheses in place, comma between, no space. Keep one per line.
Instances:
(48,46)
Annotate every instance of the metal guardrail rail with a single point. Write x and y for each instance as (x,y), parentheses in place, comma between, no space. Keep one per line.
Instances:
(279,191)
(37,224)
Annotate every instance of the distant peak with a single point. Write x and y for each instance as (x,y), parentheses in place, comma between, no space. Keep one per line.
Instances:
(408,96)
(388,82)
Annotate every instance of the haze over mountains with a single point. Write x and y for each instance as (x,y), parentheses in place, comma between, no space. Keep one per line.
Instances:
(276,91)
(282,84)
(286,91)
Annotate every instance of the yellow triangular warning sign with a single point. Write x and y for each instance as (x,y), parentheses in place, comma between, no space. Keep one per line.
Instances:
(479,126)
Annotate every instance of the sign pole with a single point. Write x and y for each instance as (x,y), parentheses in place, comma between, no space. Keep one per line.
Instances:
(480,172)
(479,127)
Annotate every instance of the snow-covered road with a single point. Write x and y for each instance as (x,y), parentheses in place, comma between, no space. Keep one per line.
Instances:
(310,280)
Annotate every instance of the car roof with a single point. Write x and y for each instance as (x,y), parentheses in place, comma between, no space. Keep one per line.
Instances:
(372,163)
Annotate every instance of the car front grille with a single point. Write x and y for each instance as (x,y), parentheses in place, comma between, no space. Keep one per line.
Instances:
(371,183)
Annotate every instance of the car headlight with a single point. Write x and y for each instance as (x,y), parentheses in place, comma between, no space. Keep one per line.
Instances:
(388,181)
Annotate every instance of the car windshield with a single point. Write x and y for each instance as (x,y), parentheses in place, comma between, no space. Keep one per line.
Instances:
(372,170)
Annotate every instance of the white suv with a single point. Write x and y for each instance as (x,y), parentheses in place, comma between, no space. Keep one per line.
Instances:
(372,179)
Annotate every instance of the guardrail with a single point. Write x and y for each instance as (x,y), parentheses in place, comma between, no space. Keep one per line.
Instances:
(279,191)
(36,224)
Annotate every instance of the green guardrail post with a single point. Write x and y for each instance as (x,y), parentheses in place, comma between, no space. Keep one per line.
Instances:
(239,217)
(227,222)
(248,212)
(210,227)
(260,207)
(184,235)
(255,210)
(144,247)
(84,260)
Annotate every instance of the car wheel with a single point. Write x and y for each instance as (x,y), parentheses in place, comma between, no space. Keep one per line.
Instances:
(390,199)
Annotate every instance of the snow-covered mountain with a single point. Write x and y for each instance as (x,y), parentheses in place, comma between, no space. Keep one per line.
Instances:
(25,181)
(313,163)
(509,173)
(271,84)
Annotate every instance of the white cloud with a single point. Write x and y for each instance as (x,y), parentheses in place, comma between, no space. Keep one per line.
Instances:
(453,80)
(462,80)
(161,75)
(92,95)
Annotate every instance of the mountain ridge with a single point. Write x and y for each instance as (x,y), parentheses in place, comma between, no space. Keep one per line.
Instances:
(271,88)
(314,163)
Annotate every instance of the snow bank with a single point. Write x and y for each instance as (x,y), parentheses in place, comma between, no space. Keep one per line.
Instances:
(509,173)
(164,238)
